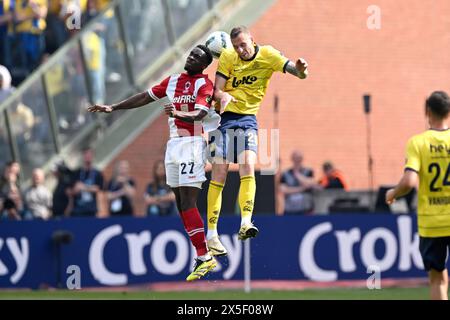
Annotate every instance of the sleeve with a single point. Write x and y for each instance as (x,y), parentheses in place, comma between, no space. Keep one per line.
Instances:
(412,156)
(224,68)
(159,91)
(277,60)
(204,96)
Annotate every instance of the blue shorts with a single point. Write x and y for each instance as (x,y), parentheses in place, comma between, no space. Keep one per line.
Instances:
(434,252)
(236,133)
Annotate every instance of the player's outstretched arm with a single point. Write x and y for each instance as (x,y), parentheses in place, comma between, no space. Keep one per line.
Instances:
(298,69)
(409,180)
(136,101)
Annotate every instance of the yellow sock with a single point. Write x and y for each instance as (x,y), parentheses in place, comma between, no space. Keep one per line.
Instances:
(214,203)
(247,197)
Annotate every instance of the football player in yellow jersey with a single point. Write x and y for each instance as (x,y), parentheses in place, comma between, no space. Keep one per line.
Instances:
(428,164)
(242,77)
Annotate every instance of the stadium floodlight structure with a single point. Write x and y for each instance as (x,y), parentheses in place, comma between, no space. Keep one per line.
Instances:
(367,110)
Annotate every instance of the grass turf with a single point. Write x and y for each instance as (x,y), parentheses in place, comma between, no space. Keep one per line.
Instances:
(420,293)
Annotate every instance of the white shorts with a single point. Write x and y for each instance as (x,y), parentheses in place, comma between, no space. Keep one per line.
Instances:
(185,162)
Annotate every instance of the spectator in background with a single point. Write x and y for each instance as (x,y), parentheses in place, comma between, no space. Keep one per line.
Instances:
(9,210)
(30,26)
(159,198)
(62,194)
(88,185)
(38,199)
(22,123)
(6,31)
(332,178)
(121,190)
(296,187)
(94,48)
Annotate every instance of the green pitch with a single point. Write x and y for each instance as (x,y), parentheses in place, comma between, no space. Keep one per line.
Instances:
(420,293)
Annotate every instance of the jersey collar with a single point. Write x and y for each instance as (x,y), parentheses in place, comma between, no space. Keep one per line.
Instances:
(433,129)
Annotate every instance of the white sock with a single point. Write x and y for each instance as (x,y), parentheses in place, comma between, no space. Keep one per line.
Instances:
(246,220)
(204,257)
(211,234)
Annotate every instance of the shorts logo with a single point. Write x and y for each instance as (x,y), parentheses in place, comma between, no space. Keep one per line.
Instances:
(213,220)
(245,80)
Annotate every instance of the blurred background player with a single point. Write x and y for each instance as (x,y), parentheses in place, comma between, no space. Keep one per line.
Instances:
(190,95)
(241,81)
(428,164)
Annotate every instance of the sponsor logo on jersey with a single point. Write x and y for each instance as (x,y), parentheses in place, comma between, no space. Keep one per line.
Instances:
(184,99)
(440,148)
(245,80)
(187,85)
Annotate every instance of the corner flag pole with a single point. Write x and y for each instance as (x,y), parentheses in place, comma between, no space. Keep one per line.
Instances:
(247,267)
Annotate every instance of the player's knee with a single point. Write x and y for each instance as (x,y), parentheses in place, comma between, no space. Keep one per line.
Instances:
(187,204)
(437,277)
(219,173)
(246,170)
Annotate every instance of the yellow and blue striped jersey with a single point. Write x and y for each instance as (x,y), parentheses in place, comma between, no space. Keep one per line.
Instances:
(428,154)
(247,81)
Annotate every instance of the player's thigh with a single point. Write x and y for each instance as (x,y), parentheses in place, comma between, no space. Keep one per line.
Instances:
(245,140)
(188,197)
(217,145)
(247,161)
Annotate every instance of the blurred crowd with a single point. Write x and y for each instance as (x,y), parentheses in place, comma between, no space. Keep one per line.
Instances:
(82,192)
(32,29)
(298,183)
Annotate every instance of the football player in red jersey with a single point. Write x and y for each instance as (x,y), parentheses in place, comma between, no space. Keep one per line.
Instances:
(189,101)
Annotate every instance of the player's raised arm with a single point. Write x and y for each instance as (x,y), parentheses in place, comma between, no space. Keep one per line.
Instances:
(298,69)
(136,101)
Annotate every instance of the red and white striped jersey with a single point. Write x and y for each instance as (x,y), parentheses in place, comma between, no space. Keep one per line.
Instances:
(187,93)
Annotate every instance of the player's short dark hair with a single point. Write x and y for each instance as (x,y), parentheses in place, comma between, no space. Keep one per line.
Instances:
(439,104)
(238,30)
(208,53)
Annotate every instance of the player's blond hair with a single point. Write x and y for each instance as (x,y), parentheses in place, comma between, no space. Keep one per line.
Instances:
(238,30)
